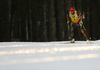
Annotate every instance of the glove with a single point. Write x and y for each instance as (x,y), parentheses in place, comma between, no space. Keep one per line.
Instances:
(81,22)
(67,22)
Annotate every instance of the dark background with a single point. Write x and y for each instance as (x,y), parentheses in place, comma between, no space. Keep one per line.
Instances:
(45,20)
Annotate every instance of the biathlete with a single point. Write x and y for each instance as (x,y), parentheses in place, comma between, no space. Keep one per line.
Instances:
(76,20)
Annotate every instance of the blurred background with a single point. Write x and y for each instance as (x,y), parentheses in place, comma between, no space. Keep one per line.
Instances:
(45,20)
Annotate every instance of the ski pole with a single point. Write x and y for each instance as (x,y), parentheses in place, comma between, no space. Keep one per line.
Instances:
(68,29)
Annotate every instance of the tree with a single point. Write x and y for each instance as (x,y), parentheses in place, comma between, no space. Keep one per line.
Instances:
(43,21)
(4,20)
(59,19)
(51,21)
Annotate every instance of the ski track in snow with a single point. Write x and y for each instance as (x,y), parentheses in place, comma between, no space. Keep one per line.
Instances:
(50,55)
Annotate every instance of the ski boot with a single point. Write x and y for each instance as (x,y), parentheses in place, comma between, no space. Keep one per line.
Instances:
(88,41)
(72,41)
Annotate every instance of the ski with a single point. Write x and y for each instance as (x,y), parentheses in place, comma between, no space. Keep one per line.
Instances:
(71,43)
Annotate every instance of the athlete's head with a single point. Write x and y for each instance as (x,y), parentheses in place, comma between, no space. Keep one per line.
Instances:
(72,9)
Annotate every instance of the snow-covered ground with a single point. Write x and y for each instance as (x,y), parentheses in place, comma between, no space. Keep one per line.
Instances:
(50,55)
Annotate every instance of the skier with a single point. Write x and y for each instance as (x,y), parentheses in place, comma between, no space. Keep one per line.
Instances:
(76,20)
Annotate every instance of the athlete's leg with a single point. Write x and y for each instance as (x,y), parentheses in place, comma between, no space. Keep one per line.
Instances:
(72,33)
(83,30)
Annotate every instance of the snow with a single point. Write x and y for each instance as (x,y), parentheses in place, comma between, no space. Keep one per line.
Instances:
(50,55)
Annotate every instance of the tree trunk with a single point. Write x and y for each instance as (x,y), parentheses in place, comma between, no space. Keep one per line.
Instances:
(43,24)
(91,19)
(59,20)
(51,22)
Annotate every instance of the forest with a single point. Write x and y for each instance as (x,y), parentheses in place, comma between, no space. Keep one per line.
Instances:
(45,20)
